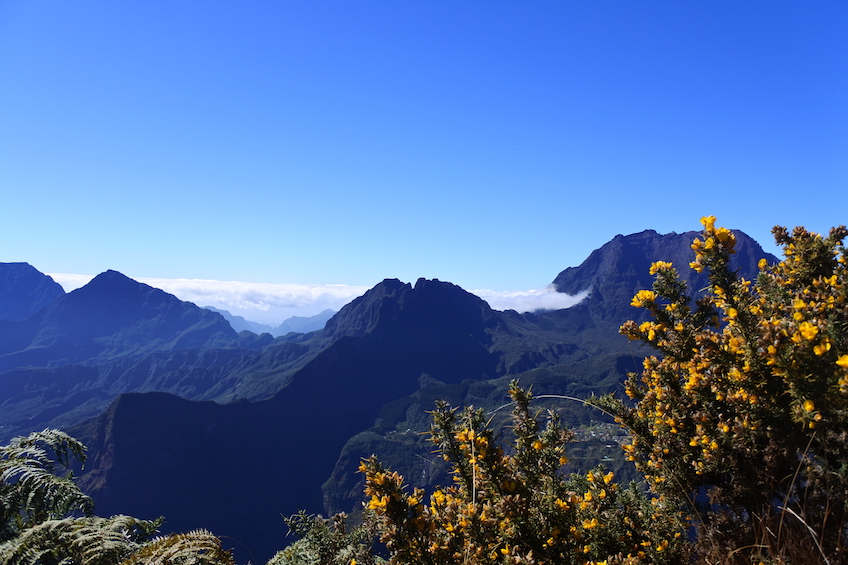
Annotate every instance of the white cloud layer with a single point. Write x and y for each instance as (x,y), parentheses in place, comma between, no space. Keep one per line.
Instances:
(266,303)
(530,300)
(271,304)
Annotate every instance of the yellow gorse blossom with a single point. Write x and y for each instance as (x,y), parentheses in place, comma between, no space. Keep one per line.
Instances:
(643,298)
(807,330)
(658,266)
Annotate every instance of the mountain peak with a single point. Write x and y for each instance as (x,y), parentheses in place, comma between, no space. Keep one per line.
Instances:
(392,303)
(619,268)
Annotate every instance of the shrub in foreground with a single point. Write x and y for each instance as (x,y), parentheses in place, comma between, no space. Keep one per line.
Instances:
(742,418)
(517,507)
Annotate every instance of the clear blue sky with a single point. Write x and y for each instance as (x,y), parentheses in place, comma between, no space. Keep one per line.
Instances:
(491,144)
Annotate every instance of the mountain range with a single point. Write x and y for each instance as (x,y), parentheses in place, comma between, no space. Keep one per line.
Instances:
(296,324)
(185,417)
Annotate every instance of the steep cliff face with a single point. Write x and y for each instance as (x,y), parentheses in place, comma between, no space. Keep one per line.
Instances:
(24,291)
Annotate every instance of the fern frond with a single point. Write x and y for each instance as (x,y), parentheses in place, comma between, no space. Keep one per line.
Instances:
(30,486)
(80,541)
(36,444)
(198,547)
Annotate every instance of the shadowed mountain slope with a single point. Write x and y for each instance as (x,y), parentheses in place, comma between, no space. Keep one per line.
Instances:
(280,450)
(24,291)
(69,360)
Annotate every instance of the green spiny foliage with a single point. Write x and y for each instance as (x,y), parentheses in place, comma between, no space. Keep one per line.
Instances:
(329,542)
(518,507)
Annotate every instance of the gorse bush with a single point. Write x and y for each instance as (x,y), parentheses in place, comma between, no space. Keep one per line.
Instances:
(743,417)
(517,507)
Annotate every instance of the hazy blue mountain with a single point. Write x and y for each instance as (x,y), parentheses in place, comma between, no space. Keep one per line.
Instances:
(112,316)
(296,324)
(240,324)
(304,324)
(24,291)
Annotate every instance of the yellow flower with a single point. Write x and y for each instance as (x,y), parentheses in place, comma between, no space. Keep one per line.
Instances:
(709,223)
(589,524)
(808,330)
(725,236)
(809,406)
(608,477)
(438,497)
(659,266)
(821,349)
(842,361)
(377,503)
(643,297)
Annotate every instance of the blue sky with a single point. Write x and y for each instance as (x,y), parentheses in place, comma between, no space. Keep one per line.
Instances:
(490,144)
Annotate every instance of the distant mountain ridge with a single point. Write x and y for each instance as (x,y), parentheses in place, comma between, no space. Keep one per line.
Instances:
(71,358)
(112,316)
(296,324)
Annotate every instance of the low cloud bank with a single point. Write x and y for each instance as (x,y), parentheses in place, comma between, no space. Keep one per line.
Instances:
(530,300)
(271,304)
(266,303)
